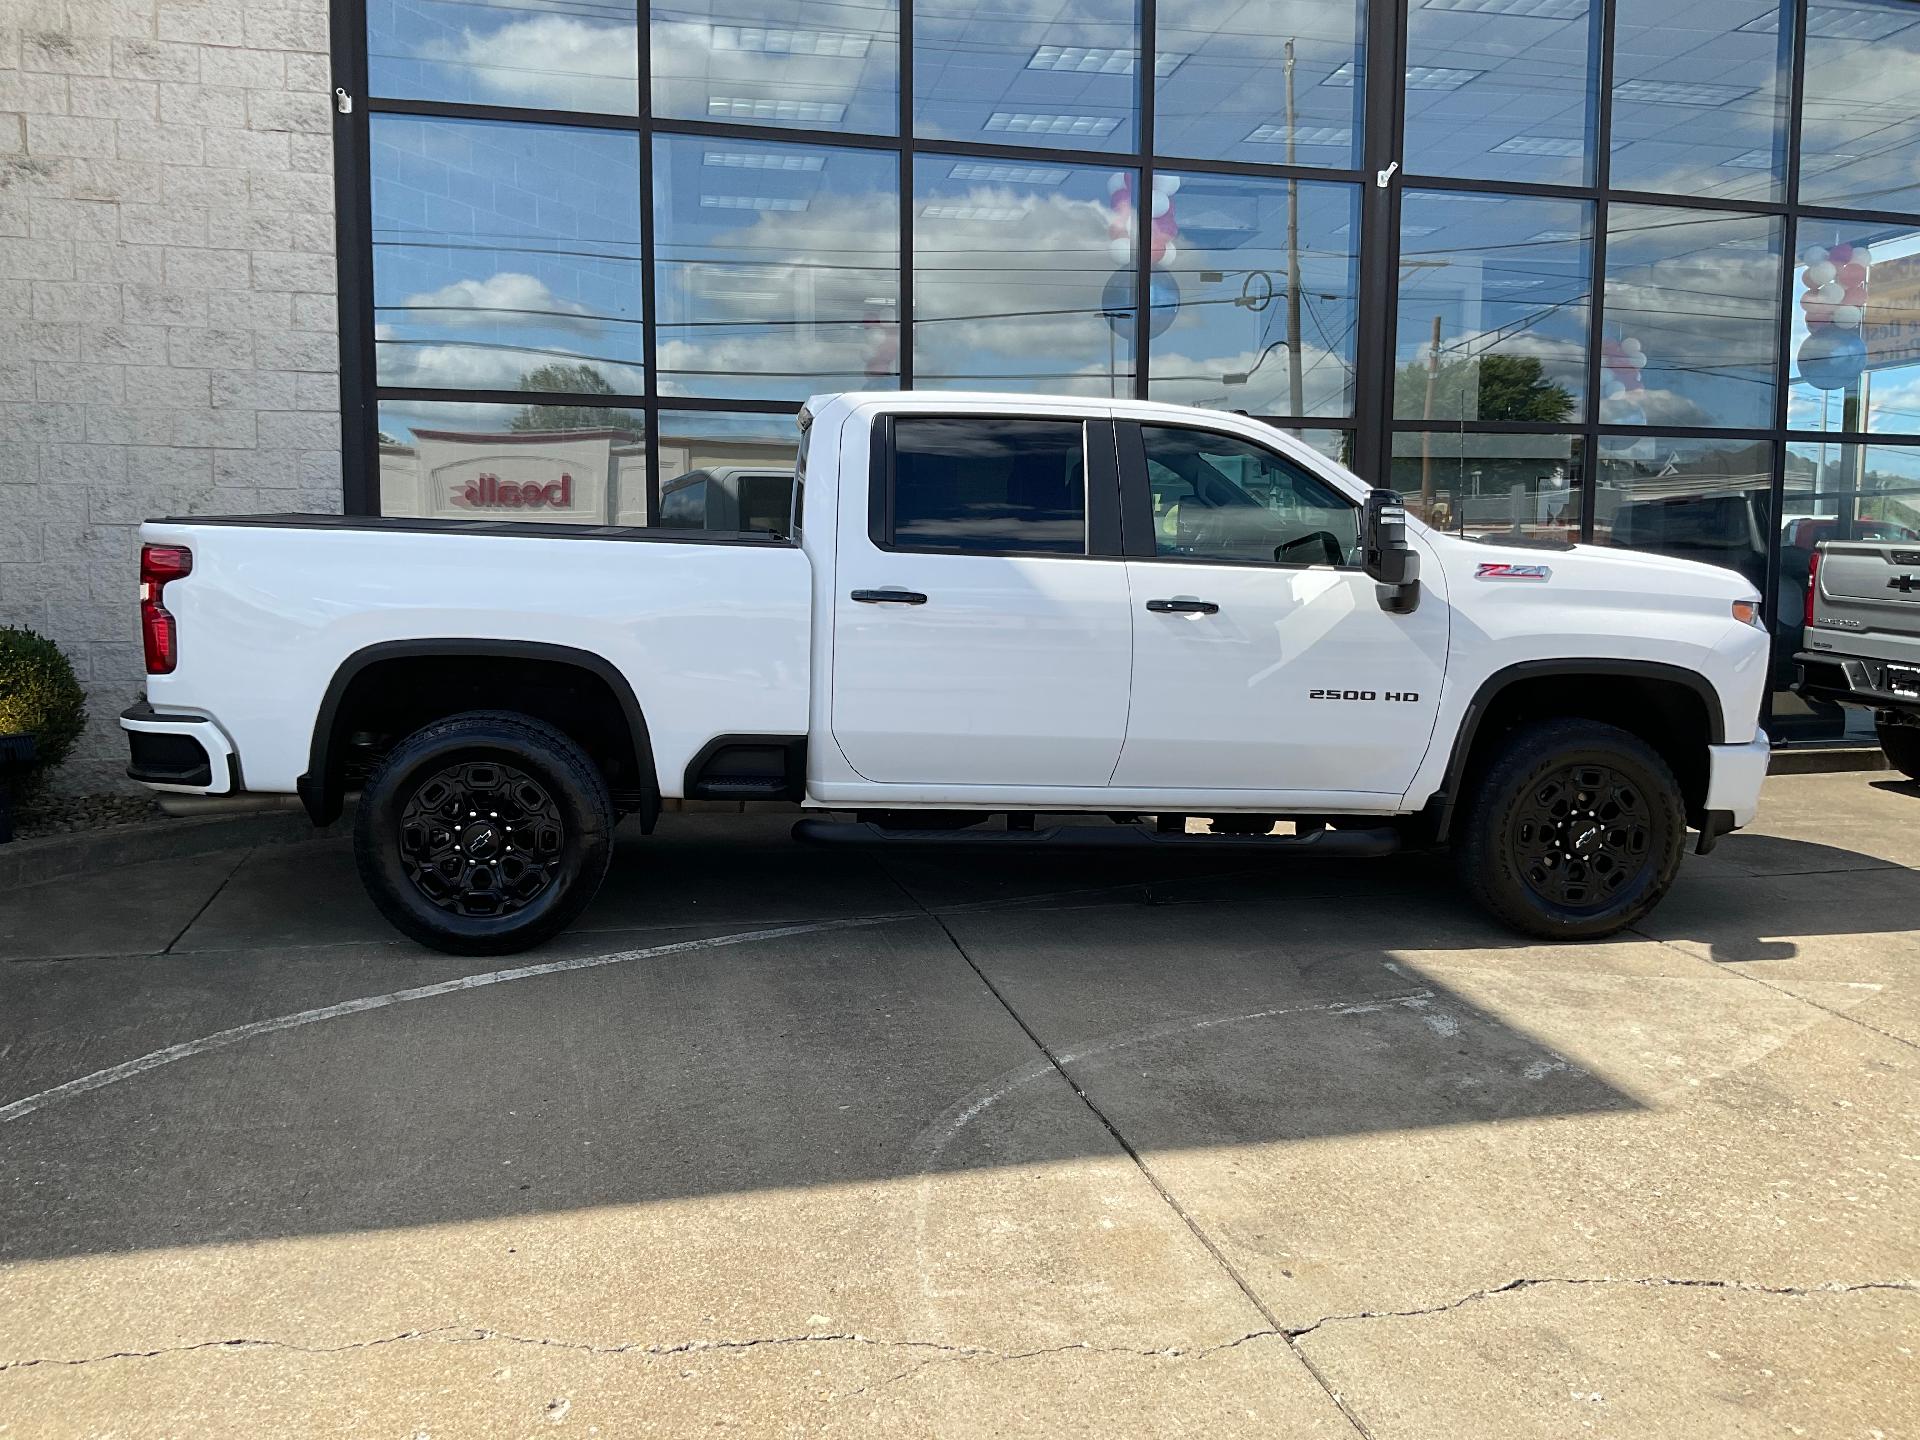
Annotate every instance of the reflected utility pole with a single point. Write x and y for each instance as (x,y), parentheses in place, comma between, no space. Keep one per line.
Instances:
(1293,258)
(1426,436)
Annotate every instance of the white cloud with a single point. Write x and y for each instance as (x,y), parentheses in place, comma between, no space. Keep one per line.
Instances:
(477,367)
(576,64)
(507,297)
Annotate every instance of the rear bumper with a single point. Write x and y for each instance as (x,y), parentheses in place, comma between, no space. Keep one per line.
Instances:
(180,751)
(1734,776)
(1853,680)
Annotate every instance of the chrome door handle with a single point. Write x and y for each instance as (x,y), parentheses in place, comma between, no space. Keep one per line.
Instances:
(1183,607)
(888,597)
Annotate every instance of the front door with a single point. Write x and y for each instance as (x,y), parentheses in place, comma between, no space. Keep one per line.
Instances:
(981,628)
(1262,658)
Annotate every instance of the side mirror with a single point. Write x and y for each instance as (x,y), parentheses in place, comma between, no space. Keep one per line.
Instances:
(1389,558)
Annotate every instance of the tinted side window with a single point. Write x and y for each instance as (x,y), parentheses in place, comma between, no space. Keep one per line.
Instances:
(989,485)
(685,508)
(1216,497)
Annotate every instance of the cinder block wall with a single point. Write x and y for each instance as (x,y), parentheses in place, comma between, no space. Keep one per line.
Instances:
(167,302)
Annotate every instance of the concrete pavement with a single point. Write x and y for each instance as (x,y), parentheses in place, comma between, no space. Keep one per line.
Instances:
(790,1142)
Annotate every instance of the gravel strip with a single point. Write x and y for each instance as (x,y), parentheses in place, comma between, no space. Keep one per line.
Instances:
(65,814)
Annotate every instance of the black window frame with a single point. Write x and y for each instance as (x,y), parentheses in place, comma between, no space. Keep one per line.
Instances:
(1100,474)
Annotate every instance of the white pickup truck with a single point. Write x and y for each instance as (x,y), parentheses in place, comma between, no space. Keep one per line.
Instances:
(991,620)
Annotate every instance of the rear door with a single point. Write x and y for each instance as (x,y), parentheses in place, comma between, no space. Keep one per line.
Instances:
(1262,658)
(981,627)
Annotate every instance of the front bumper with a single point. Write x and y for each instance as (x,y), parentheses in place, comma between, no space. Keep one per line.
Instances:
(1734,776)
(180,751)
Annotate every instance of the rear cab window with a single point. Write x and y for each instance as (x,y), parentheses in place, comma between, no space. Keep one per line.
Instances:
(985,485)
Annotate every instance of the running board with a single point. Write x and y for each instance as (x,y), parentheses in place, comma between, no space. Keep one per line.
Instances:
(1340,844)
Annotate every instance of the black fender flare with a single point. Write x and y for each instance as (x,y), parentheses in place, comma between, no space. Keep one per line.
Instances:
(1441,805)
(322,789)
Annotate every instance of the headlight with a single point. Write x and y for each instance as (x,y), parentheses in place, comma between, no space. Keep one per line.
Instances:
(1747,612)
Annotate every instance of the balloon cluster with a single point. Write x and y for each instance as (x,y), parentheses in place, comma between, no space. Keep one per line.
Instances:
(1123,227)
(1622,396)
(1833,298)
(1124,224)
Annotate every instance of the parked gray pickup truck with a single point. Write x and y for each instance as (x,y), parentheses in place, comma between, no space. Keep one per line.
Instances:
(1863,638)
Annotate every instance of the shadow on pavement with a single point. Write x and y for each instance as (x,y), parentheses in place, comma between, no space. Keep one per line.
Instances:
(1266,1007)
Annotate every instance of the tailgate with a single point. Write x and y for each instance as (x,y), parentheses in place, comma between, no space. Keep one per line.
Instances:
(1866,587)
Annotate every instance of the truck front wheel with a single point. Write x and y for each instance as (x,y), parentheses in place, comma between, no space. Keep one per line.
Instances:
(484,833)
(1902,744)
(1573,831)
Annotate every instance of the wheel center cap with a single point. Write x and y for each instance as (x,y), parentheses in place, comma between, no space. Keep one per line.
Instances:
(480,839)
(1583,838)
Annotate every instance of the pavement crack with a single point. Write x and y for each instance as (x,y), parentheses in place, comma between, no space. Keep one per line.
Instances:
(937,1351)
(1643,1281)
(238,1343)
(1739,969)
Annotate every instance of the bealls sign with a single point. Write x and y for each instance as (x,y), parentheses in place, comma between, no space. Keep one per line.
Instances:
(488,491)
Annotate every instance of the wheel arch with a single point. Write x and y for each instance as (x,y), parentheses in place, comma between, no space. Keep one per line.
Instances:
(1672,708)
(610,726)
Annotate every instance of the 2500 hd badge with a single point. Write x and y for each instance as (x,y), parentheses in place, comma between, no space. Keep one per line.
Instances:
(1411,697)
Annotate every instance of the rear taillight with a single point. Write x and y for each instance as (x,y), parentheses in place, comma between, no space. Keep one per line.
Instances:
(1813,587)
(158,565)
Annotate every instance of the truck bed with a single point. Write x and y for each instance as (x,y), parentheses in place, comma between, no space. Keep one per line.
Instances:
(710,631)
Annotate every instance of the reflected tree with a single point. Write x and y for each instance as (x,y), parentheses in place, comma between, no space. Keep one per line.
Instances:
(1483,387)
(561,378)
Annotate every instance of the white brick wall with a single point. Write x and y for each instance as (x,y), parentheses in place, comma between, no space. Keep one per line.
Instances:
(167,311)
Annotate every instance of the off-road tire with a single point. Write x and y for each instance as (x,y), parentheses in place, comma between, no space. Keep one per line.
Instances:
(1902,744)
(574,799)
(1497,846)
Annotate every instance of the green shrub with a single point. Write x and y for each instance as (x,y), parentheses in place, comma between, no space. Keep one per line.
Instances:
(39,697)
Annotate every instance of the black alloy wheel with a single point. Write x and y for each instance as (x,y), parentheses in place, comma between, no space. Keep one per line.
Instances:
(1582,835)
(1570,829)
(481,838)
(484,833)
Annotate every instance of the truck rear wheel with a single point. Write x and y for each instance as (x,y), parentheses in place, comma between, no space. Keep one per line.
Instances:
(1902,744)
(1572,832)
(484,833)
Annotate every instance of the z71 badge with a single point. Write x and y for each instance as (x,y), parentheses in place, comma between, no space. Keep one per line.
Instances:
(1495,570)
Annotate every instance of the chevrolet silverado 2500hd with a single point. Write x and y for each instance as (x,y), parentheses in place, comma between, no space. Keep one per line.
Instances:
(979,606)
(1863,635)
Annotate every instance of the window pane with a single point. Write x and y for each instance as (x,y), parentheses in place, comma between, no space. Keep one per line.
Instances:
(1700,97)
(566,464)
(1041,73)
(1861,114)
(1517,485)
(815,64)
(777,268)
(1493,318)
(1855,357)
(1336,445)
(726,471)
(1834,492)
(1224,89)
(1704,500)
(989,485)
(1499,90)
(1219,498)
(489,52)
(506,257)
(1019,279)
(1231,328)
(1691,307)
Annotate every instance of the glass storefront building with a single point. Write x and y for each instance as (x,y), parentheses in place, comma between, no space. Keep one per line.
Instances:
(1639,273)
